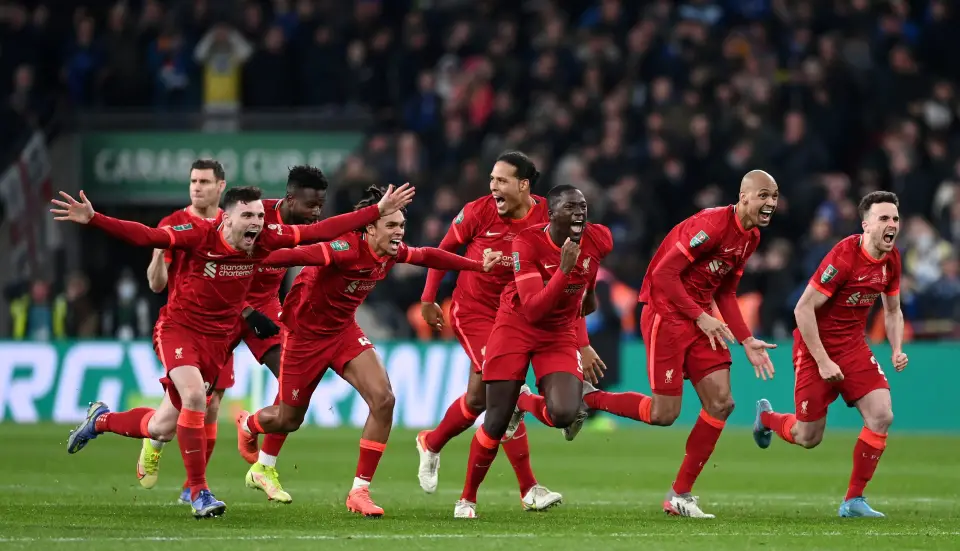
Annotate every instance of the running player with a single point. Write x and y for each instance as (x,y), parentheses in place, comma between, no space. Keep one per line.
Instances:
(701,261)
(830,352)
(538,324)
(305,197)
(321,332)
(489,223)
(199,328)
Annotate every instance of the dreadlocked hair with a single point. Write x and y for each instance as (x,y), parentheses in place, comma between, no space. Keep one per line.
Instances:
(371,197)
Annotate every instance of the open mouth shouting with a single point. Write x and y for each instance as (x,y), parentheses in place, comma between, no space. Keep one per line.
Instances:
(766,213)
(394,246)
(250,237)
(889,236)
(500,200)
(576,228)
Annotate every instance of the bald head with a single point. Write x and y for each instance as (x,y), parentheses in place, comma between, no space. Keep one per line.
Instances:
(756,180)
(759,194)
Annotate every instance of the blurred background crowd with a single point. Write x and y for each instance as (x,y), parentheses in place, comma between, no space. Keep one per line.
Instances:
(653,108)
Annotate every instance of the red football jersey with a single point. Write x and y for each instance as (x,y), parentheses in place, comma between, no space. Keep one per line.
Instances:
(716,244)
(175,258)
(481,228)
(536,259)
(265,288)
(324,299)
(853,280)
(213,282)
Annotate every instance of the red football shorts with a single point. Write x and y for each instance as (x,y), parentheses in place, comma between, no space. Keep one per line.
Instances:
(472,328)
(676,350)
(514,344)
(178,346)
(812,395)
(259,347)
(304,360)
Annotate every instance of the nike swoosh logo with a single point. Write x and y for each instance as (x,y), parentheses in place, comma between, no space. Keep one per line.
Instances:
(491,234)
(548,266)
(191,451)
(211,255)
(727,250)
(861,278)
(364,271)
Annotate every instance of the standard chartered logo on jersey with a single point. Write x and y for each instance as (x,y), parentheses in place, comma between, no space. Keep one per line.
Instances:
(56,381)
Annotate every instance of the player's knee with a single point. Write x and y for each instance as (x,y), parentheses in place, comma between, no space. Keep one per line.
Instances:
(664,411)
(880,422)
(290,421)
(194,398)
(562,415)
(809,436)
(476,402)
(382,402)
(720,408)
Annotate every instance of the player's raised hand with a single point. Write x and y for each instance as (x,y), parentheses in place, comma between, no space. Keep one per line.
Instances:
(830,371)
(593,366)
(716,331)
(395,199)
(432,314)
(568,255)
(756,351)
(72,210)
(490,259)
(899,360)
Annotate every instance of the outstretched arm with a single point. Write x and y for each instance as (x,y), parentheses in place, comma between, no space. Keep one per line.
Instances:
(438,259)
(312,255)
(729,307)
(450,243)
(335,226)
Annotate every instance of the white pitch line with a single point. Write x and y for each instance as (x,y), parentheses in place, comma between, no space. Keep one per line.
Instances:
(615,535)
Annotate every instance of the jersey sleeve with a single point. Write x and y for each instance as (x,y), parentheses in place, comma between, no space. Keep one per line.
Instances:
(438,259)
(833,271)
(726,297)
(537,299)
(282,236)
(318,254)
(698,235)
(167,253)
(466,224)
(449,243)
(182,236)
(604,240)
(893,279)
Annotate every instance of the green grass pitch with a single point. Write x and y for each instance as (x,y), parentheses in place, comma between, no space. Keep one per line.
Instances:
(612,483)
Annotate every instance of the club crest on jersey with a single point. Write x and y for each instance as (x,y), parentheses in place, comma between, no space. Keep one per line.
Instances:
(182,227)
(829,273)
(586,264)
(339,245)
(459,218)
(277,228)
(516,261)
(699,239)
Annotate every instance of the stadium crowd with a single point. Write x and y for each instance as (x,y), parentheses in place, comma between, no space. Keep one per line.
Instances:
(653,108)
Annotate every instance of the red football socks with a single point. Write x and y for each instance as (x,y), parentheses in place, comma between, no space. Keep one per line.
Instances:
(370,454)
(700,445)
(780,423)
(536,405)
(211,431)
(518,452)
(456,420)
(252,424)
(131,423)
(866,457)
(631,405)
(193,448)
(483,450)
(272,443)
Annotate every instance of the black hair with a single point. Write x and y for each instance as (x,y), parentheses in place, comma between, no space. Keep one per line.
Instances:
(525,169)
(245,194)
(210,164)
(553,196)
(875,198)
(306,177)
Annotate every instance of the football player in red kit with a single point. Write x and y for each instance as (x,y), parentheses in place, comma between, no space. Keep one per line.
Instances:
(322,332)
(490,223)
(538,321)
(699,262)
(199,328)
(304,200)
(830,353)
